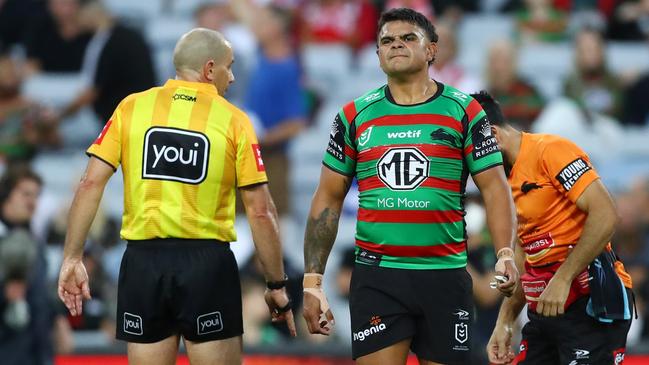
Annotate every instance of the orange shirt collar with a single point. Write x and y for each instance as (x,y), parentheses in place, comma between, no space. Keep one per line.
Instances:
(202,86)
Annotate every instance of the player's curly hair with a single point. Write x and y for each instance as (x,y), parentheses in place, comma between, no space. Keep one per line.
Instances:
(491,108)
(409,16)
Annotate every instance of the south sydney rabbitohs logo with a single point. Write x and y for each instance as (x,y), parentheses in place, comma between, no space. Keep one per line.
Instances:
(175,154)
(403,168)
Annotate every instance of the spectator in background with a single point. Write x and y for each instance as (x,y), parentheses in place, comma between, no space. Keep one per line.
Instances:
(257,329)
(636,107)
(218,16)
(22,130)
(445,68)
(539,21)
(275,94)
(16,17)
(117,62)
(350,22)
(521,103)
(26,315)
(57,42)
(591,85)
(630,21)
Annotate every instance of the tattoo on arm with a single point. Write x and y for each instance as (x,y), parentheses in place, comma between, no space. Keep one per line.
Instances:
(318,240)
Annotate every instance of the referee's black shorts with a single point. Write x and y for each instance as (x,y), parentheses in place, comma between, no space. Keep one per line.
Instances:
(178,286)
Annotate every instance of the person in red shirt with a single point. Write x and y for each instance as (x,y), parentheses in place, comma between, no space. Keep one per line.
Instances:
(577,291)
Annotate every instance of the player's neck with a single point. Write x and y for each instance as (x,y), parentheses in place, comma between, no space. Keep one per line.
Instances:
(514,149)
(413,90)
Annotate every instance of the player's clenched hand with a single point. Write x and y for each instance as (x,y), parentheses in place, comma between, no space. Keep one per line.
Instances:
(499,348)
(279,305)
(506,267)
(73,285)
(553,298)
(317,314)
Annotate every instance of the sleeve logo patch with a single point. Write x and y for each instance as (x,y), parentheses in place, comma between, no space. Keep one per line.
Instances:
(101,135)
(572,172)
(336,146)
(484,143)
(258,160)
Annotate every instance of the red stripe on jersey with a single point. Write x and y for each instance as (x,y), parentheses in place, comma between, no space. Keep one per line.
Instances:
(445,249)
(350,111)
(350,152)
(373,182)
(432,119)
(468,149)
(101,136)
(427,149)
(409,216)
(473,109)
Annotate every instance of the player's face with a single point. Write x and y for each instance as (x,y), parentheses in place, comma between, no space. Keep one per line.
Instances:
(403,48)
(223,75)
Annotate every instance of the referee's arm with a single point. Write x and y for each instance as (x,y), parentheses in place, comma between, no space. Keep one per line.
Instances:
(262,217)
(73,279)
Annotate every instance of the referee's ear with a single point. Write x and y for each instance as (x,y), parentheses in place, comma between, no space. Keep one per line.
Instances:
(208,70)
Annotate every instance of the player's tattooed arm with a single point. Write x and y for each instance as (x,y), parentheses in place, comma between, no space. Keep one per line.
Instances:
(322,224)
(318,239)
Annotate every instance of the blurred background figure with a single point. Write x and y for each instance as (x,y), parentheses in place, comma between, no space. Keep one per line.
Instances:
(591,84)
(57,41)
(348,22)
(23,124)
(276,73)
(445,67)
(422,6)
(636,108)
(519,100)
(117,62)
(630,21)
(539,21)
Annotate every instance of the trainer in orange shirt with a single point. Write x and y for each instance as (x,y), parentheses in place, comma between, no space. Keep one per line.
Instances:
(578,293)
(183,150)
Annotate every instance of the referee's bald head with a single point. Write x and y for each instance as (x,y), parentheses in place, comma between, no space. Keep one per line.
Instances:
(197,47)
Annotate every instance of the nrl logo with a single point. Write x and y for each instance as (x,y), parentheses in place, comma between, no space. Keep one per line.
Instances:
(365,137)
(459,95)
(372,97)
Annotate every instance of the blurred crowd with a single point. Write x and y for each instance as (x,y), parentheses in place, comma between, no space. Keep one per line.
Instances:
(66,64)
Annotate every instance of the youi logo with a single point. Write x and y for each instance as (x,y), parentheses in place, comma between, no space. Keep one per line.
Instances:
(175,154)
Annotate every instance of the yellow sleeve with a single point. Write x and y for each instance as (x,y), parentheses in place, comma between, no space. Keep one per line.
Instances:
(108,145)
(249,164)
(569,168)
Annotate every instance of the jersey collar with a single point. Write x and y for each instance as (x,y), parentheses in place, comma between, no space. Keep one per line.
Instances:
(202,86)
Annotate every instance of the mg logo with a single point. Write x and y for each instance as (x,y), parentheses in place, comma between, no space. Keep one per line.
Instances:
(403,168)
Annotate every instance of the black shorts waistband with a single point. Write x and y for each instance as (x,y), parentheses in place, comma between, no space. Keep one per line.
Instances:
(177,242)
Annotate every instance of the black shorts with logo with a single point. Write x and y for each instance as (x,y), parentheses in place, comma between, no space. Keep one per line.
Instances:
(433,307)
(178,286)
(573,338)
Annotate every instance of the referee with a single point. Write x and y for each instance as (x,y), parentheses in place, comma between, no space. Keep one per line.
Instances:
(182,148)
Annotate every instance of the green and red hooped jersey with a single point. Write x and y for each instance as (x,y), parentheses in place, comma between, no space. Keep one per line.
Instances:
(411,163)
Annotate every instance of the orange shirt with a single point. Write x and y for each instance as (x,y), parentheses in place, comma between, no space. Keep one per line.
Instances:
(549,175)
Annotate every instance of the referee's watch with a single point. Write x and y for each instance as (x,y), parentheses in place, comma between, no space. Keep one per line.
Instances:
(276,285)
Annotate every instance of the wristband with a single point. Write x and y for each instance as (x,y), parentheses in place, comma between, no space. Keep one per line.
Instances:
(276,285)
(505,251)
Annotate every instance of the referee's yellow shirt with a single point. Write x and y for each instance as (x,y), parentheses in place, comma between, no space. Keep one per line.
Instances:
(183,149)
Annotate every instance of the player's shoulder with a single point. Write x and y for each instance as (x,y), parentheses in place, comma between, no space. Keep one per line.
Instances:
(452,94)
(351,109)
(554,144)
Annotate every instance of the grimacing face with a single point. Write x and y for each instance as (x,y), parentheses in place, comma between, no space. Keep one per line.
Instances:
(403,48)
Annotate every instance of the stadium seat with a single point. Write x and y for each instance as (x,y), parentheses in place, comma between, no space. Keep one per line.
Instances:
(476,33)
(628,56)
(164,31)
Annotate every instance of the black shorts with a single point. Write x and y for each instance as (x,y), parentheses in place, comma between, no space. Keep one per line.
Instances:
(433,307)
(573,338)
(177,286)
